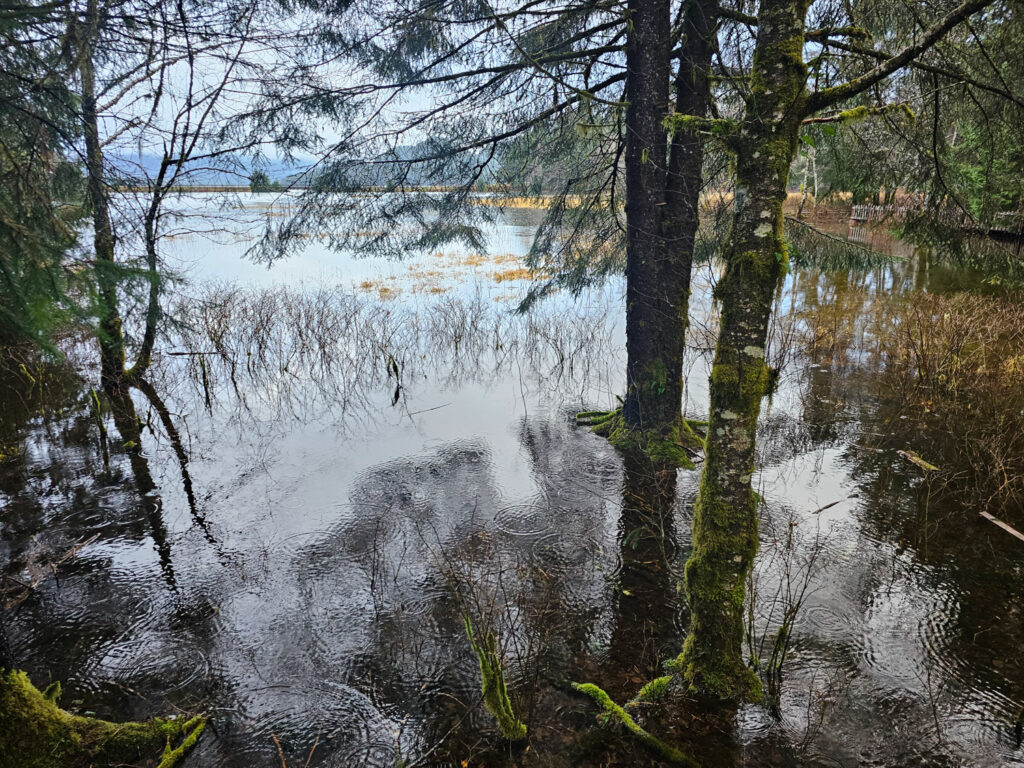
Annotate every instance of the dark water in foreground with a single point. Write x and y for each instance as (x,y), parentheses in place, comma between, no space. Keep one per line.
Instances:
(362,472)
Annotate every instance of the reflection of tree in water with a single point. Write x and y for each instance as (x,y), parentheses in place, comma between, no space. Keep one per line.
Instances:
(430,538)
(934,595)
(356,632)
(122,408)
(305,356)
(130,427)
(95,622)
(648,618)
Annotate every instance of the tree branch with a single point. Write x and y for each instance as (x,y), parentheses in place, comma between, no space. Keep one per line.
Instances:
(953,74)
(936,32)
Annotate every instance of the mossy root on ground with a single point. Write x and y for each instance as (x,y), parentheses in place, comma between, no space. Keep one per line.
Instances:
(492,677)
(36,733)
(673,446)
(665,751)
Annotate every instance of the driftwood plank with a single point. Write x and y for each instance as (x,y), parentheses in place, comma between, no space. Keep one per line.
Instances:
(1009,529)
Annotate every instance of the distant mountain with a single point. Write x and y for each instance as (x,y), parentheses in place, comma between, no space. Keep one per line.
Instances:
(435,170)
(226,171)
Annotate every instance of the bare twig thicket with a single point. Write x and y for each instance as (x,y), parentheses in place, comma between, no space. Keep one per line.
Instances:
(957,365)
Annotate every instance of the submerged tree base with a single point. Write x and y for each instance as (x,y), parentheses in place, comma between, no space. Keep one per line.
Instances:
(673,447)
(718,678)
(36,733)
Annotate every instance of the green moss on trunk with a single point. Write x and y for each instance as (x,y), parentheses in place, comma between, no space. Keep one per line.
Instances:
(725,532)
(36,733)
(725,525)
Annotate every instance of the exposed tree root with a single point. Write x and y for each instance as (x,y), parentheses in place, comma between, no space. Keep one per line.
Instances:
(36,733)
(675,447)
(665,751)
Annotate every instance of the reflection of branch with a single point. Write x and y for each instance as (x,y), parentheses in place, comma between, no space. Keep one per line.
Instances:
(810,246)
(126,419)
(179,450)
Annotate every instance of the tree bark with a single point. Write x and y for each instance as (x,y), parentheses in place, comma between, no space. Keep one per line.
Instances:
(725,525)
(153,312)
(682,189)
(648,308)
(111,338)
(662,191)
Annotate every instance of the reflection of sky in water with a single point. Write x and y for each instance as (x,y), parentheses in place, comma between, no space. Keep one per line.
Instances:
(324,602)
(211,242)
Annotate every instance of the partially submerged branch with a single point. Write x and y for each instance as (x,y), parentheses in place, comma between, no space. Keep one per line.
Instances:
(665,751)
(495,693)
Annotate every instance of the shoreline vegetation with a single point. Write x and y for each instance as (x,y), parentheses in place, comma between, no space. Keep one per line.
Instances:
(839,207)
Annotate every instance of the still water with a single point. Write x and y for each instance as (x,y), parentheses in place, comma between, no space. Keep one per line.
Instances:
(345,458)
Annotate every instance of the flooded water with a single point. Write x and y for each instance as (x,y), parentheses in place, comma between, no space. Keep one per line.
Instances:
(345,460)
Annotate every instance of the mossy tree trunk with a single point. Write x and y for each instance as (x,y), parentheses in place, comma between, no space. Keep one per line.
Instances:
(153,311)
(662,189)
(36,733)
(725,529)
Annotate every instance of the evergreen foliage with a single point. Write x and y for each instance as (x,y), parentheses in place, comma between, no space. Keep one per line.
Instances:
(40,191)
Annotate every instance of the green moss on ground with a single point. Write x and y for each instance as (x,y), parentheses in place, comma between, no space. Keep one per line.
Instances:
(36,733)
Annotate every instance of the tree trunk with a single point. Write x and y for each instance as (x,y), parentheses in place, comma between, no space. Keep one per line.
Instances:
(662,191)
(725,525)
(36,733)
(111,339)
(153,313)
(683,185)
(649,395)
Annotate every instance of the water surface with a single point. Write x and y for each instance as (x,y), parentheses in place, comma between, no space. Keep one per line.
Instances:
(357,470)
